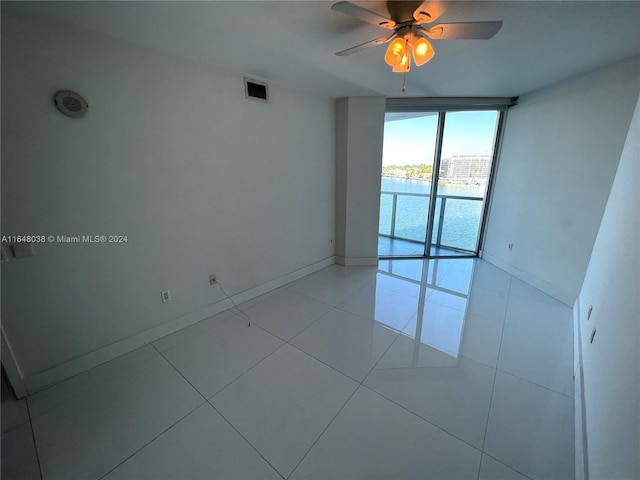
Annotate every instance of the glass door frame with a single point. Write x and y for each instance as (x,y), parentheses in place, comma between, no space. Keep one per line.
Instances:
(442,106)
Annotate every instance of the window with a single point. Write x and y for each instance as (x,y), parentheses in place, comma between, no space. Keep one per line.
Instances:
(436,174)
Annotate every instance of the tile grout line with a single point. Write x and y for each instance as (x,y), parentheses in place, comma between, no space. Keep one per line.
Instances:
(495,375)
(342,309)
(98,368)
(535,384)
(252,366)
(357,290)
(33,437)
(127,458)
(170,426)
(397,333)
(535,306)
(152,440)
(331,308)
(492,367)
(240,375)
(17,426)
(529,330)
(205,401)
(397,330)
(179,372)
(324,430)
(243,437)
(355,380)
(360,384)
(287,342)
(430,422)
(508,466)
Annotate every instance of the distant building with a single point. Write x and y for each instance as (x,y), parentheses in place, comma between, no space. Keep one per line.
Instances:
(465,168)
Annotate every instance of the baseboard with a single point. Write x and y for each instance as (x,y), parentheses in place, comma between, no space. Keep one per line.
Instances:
(553,290)
(357,261)
(11,368)
(51,376)
(46,378)
(282,281)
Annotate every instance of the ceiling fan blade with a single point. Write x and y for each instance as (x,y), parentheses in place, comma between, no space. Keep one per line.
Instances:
(363,14)
(429,11)
(422,16)
(464,30)
(362,46)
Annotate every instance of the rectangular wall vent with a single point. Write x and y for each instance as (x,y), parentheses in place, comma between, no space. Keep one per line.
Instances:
(256,90)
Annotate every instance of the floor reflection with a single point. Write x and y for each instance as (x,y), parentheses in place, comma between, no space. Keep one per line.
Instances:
(443,287)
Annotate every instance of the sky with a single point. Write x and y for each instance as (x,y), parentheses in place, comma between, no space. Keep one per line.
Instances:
(412,141)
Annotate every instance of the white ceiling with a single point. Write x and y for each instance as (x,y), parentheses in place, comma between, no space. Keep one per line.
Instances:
(292,43)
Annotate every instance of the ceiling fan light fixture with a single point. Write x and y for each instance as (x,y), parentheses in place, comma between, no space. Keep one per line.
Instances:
(422,51)
(397,53)
(405,66)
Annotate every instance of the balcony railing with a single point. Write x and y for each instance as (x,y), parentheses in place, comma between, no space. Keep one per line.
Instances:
(404,216)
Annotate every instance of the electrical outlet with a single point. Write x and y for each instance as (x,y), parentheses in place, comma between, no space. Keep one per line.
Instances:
(593,335)
(590,311)
(510,246)
(212,279)
(165,295)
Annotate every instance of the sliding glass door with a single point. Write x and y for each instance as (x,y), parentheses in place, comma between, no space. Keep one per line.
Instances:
(461,188)
(435,177)
(407,171)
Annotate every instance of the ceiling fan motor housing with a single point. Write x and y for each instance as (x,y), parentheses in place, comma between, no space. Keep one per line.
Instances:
(402,12)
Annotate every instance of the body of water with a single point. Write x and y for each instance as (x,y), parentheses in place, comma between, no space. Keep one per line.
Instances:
(461,220)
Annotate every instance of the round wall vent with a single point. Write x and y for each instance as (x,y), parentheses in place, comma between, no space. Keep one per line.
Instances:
(71,104)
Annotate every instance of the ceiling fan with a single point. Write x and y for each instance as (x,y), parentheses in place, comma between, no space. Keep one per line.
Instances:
(409,22)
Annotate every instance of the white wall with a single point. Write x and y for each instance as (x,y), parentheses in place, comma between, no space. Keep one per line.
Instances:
(611,364)
(171,154)
(559,155)
(359,134)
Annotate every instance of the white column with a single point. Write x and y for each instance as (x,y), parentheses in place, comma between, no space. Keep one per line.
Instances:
(360,129)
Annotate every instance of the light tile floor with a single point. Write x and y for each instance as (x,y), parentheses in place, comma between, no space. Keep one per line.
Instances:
(438,369)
